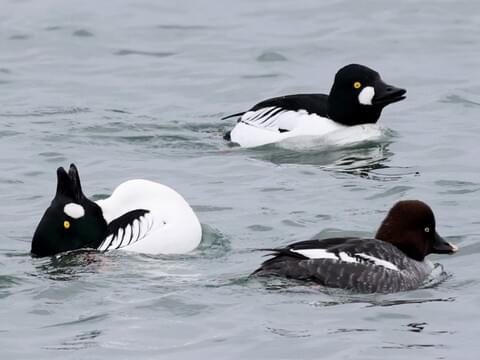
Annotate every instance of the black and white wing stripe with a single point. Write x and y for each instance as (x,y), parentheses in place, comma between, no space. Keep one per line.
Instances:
(127,229)
(282,113)
(272,118)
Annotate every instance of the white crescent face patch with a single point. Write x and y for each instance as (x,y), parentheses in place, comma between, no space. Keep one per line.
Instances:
(73,210)
(366,95)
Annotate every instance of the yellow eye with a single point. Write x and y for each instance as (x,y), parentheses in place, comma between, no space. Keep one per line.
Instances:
(357,85)
(66,224)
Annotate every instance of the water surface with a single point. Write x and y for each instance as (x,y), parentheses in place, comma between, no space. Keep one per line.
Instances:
(137,88)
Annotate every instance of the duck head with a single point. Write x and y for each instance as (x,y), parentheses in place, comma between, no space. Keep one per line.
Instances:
(410,226)
(359,94)
(71,222)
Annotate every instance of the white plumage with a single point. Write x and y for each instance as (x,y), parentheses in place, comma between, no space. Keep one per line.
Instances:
(260,127)
(169,227)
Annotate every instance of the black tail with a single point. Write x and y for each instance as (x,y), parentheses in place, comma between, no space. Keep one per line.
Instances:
(233,115)
(279,257)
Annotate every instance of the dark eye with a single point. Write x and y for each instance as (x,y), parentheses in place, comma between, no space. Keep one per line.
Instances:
(357,84)
(427,229)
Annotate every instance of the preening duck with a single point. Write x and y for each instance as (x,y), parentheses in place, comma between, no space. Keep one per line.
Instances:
(393,261)
(140,215)
(357,97)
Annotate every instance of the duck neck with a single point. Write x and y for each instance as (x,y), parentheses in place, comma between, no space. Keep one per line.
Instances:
(350,112)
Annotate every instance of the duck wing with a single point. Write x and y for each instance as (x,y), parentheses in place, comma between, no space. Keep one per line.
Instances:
(127,229)
(281,113)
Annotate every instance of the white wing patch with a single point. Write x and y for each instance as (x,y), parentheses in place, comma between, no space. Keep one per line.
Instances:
(129,235)
(359,258)
(316,254)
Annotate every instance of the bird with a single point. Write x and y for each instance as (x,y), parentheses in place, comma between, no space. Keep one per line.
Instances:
(394,260)
(357,97)
(140,215)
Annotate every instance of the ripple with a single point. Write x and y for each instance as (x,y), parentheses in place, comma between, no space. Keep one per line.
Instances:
(82,33)
(71,265)
(271,56)
(48,112)
(81,320)
(208,208)
(458,187)
(289,333)
(10,181)
(457,99)
(9,133)
(214,244)
(53,28)
(365,159)
(7,281)
(19,37)
(261,76)
(158,54)
(394,191)
(182,27)
(84,340)
(260,228)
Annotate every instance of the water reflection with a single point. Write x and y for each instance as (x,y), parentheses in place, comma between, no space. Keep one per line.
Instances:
(71,265)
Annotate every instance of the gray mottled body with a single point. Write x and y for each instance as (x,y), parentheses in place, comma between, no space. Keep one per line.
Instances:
(360,265)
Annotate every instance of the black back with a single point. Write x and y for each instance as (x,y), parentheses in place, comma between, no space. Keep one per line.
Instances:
(312,103)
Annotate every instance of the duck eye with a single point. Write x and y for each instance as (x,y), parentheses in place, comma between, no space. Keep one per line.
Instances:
(66,224)
(427,229)
(357,84)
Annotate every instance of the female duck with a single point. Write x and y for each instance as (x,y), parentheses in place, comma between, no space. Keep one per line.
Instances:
(393,261)
(140,215)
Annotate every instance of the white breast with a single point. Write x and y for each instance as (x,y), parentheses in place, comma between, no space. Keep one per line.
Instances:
(170,227)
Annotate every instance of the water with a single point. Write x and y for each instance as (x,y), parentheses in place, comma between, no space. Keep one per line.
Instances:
(136,89)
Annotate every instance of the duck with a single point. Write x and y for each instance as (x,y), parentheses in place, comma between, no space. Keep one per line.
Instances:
(357,98)
(394,260)
(140,216)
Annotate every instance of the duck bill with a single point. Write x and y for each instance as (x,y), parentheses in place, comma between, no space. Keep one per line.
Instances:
(387,94)
(441,246)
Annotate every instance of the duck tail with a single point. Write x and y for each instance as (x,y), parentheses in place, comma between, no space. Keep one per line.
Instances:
(233,115)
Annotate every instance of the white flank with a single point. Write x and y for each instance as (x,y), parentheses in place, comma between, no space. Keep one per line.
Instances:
(256,129)
(343,256)
(169,227)
(75,211)
(366,95)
